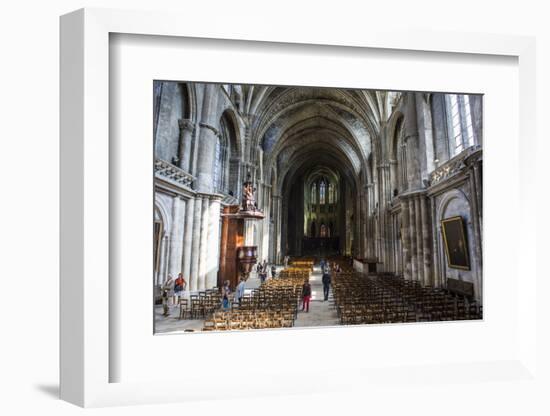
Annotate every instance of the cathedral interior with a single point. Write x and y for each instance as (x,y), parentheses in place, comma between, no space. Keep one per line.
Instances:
(386,185)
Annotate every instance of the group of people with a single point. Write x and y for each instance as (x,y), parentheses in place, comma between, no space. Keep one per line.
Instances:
(334,267)
(174,289)
(262,270)
(237,296)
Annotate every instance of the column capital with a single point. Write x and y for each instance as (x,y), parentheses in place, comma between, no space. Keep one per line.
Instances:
(186,125)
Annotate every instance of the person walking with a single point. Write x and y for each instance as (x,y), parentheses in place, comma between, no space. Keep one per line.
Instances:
(306,295)
(263,276)
(239,291)
(226,291)
(273,272)
(179,287)
(165,307)
(168,286)
(326,282)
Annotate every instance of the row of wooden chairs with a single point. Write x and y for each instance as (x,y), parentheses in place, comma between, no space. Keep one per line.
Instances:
(302,263)
(253,319)
(375,299)
(200,305)
(273,305)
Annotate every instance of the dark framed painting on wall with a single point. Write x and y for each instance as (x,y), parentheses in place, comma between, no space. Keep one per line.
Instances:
(456,245)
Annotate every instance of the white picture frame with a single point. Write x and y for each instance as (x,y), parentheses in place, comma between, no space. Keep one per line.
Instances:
(86,354)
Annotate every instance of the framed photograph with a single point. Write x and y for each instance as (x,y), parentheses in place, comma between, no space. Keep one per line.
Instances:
(256,206)
(211,180)
(456,243)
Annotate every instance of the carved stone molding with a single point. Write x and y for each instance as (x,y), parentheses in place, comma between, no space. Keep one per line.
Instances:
(186,124)
(211,128)
(455,165)
(166,170)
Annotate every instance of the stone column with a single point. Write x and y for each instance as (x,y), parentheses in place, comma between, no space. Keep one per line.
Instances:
(476,110)
(176,237)
(435,248)
(425,134)
(426,241)
(195,247)
(213,243)
(405,235)
(385,183)
(208,137)
(277,222)
(264,253)
(393,177)
(385,192)
(362,223)
(412,236)
(203,251)
(419,240)
(477,241)
(411,140)
(184,149)
(163,269)
(369,226)
(188,241)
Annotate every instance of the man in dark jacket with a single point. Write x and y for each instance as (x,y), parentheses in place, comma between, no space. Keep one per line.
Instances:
(326,282)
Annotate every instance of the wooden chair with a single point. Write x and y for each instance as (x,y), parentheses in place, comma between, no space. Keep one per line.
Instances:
(184,308)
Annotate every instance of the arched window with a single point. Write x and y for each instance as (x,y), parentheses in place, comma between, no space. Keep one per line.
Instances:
(221,158)
(331,198)
(314,193)
(322,191)
(217,164)
(398,164)
(461,134)
(324,231)
(220,165)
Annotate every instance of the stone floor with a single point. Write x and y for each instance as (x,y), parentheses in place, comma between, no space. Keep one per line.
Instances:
(321,313)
